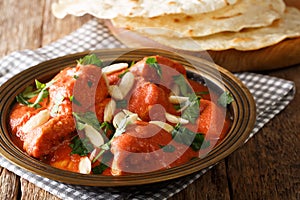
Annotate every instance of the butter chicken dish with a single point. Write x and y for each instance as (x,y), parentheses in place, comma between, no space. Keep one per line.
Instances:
(121,118)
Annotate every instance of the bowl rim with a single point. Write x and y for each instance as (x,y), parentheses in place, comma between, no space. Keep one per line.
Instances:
(233,85)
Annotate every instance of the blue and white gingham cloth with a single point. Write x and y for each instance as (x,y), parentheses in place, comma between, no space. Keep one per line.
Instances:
(271,94)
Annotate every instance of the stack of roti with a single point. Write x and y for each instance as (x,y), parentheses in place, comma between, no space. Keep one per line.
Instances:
(195,25)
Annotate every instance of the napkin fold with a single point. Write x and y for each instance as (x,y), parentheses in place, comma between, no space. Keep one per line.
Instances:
(271,95)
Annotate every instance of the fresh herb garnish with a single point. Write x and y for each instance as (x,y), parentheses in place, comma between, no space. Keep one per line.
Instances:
(89,118)
(168,148)
(183,85)
(90,84)
(123,73)
(119,131)
(202,93)
(106,127)
(99,169)
(132,63)
(75,101)
(225,99)
(185,136)
(28,93)
(191,113)
(152,62)
(177,106)
(121,103)
(91,59)
(75,76)
(80,146)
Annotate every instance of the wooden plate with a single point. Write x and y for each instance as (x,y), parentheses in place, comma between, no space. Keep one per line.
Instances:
(242,110)
(283,54)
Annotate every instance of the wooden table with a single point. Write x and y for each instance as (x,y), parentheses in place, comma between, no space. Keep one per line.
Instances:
(266,167)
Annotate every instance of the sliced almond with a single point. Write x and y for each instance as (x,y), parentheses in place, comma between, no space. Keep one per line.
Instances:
(126,83)
(93,154)
(114,68)
(127,112)
(36,121)
(85,165)
(175,90)
(106,79)
(109,110)
(167,127)
(183,108)
(177,99)
(175,119)
(132,118)
(93,135)
(115,92)
(119,117)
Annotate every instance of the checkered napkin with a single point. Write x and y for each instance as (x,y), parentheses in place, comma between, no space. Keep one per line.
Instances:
(271,95)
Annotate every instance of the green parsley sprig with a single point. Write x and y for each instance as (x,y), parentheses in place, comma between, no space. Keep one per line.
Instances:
(225,99)
(41,92)
(91,59)
(185,136)
(152,62)
(81,146)
(192,111)
(119,131)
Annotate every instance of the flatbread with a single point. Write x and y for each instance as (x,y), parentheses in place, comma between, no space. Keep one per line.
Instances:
(243,14)
(107,9)
(248,39)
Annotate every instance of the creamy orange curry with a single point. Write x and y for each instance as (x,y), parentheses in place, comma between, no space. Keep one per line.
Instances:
(119,119)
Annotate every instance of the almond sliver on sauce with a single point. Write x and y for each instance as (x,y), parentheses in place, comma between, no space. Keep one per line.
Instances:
(36,121)
(167,127)
(85,165)
(114,68)
(94,136)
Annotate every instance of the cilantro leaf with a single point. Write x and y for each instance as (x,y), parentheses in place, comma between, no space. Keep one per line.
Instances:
(183,85)
(99,169)
(152,62)
(74,100)
(28,93)
(132,63)
(123,73)
(119,131)
(106,158)
(106,127)
(80,146)
(185,136)
(91,59)
(225,99)
(89,118)
(121,103)
(168,148)
(191,113)
(90,84)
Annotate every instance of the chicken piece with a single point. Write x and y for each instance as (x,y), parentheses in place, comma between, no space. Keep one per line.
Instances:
(44,139)
(144,148)
(90,88)
(212,121)
(83,83)
(150,102)
(169,69)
